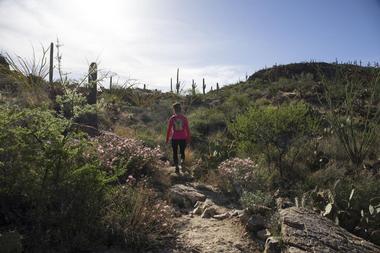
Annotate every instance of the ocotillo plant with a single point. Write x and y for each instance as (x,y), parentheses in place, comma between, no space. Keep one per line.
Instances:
(171,84)
(193,86)
(177,84)
(204,87)
(51,63)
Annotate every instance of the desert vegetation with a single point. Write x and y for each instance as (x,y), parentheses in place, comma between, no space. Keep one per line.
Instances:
(306,131)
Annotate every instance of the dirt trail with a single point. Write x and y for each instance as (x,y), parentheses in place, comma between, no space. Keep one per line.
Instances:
(206,235)
(210,235)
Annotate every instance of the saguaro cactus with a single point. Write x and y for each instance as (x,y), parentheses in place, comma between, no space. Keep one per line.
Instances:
(92,77)
(217,87)
(204,87)
(110,82)
(193,86)
(92,118)
(171,84)
(51,63)
(177,86)
(144,86)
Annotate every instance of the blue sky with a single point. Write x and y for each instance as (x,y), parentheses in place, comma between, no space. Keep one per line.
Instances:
(219,40)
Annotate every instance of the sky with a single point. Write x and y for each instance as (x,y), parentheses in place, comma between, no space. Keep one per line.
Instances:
(219,40)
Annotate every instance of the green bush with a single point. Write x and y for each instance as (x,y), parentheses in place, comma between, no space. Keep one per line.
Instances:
(251,199)
(50,190)
(274,131)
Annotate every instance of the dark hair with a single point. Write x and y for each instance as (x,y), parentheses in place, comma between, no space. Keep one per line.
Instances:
(177,107)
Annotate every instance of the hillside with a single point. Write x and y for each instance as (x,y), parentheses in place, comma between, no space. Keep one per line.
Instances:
(301,135)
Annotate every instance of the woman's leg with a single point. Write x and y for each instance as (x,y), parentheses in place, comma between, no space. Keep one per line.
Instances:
(182,147)
(175,152)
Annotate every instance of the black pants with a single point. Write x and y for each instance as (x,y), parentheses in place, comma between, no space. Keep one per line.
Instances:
(182,147)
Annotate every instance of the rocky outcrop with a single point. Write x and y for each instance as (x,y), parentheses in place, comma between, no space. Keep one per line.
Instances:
(306,231)
(185,196)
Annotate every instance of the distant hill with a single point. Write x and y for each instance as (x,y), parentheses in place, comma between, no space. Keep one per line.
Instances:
(316,69)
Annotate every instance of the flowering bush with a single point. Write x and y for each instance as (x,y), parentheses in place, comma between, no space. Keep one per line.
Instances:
(238,173)
(125,156)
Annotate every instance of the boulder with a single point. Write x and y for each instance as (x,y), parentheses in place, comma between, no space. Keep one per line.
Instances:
(185,196)
(272,245)
(306,231)
(208,212)
(222,216)
(255,223)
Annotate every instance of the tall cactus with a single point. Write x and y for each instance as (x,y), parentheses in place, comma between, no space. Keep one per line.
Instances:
(204,87)
(193,86)
(92,118)
(171,85)
(144,86)
(110,82)
(51,63)
(217,87)
(92,80)
(177,86)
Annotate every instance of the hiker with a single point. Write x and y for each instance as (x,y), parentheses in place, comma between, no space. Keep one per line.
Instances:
(179,133)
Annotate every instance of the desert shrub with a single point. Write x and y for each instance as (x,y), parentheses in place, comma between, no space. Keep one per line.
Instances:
(204,122)
(251,199)
(51,189)
(121,157)
(134,218)
(351,203)
(237,174)
(274,132)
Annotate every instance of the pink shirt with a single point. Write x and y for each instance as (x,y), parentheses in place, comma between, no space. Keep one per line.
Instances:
(178,128)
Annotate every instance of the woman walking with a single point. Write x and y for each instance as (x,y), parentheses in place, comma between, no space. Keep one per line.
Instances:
(179,133)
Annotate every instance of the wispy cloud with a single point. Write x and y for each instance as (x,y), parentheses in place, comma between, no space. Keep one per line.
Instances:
(128,37)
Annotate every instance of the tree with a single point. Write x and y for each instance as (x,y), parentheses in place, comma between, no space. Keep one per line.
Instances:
(273,131)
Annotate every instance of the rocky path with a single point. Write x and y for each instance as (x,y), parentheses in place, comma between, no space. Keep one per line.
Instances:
(206,221)
(197,234)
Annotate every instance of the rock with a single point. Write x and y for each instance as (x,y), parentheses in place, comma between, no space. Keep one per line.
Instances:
(272,245)
(185,196)
(294,250)
(222,216)
(263,235)
(306,231)
(208,212)
(375,236)
(255,223)
(200,207)
(259,209)
(238,213)
(198,210)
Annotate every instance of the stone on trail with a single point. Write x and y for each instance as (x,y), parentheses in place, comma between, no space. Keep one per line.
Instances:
(208,212)
(272,245)
(222,216)
(255,223)
(185,196)
(306,231)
